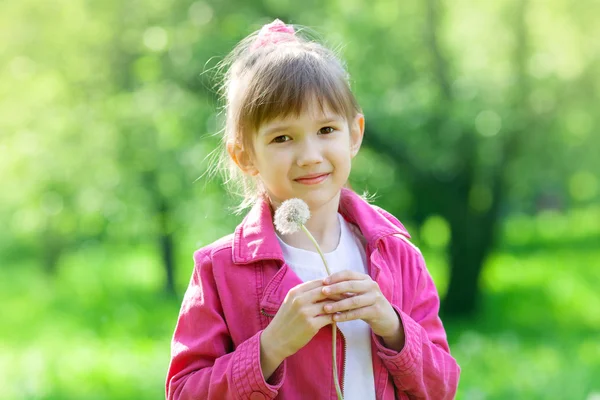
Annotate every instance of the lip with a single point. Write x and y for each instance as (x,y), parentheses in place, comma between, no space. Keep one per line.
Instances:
(312,179)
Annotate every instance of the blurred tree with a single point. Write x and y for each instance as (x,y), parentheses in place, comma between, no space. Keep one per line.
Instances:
(473,111)
(461,188)
(459,167)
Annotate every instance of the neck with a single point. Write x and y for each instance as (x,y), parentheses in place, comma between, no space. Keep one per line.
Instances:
(323,225)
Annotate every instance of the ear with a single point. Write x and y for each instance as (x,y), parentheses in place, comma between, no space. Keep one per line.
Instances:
(357,132)
(241,158)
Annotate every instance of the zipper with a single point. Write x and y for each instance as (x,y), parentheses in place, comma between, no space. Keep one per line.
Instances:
(344,363)
(263,312)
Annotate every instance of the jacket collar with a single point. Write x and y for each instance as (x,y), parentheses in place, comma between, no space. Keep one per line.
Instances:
(255,238)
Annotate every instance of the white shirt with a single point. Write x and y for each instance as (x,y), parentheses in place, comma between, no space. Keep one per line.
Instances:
(359,382)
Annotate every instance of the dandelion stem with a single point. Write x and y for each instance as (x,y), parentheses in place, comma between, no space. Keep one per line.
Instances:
(310,236)
(336,379)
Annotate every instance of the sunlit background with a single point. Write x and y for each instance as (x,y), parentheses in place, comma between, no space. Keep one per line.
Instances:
(482,137)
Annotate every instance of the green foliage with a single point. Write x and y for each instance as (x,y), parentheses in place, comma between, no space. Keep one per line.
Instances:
(109,107)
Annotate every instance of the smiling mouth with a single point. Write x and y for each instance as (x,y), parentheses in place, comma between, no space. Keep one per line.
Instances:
(312,180)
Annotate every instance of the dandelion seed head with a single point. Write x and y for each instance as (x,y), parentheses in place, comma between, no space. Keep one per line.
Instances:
(290,215)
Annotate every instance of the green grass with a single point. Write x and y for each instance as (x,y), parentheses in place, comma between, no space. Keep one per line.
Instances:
(537,331)
(537,335)
(101,328)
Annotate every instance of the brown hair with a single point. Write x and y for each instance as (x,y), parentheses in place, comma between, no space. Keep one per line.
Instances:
(276,79)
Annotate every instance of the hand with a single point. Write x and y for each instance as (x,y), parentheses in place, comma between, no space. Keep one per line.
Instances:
(366,302)
(299,318)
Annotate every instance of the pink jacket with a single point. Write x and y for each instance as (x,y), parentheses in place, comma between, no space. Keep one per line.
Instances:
(239,283)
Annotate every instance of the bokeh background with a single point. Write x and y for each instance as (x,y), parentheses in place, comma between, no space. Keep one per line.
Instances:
(482,137)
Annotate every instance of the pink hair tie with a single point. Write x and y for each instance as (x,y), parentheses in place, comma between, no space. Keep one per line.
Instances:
(275,32)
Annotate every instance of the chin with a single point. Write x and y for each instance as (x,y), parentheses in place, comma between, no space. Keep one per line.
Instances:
(315,198)
(318,200)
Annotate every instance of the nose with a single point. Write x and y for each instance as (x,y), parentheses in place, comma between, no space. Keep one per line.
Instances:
(309,152)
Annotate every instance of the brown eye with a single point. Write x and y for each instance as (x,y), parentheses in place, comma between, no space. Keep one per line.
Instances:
(281,139)
(326,130)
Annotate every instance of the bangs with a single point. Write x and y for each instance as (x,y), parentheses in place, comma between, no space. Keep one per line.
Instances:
(285,84)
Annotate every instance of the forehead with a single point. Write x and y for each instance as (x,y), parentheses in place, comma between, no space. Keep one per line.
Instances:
(312,110)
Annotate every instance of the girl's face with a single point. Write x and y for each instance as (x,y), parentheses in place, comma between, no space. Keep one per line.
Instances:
(306,157)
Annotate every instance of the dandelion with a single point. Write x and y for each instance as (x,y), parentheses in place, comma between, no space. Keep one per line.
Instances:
(290,217)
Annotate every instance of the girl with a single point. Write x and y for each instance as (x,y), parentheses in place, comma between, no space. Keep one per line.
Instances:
(254,320)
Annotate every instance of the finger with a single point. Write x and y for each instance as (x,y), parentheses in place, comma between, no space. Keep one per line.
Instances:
(322,320)
(358,313)
(306,286)
(313,293)
(337,297)
(313,296)
(344,276)
(311,311)
(342,296)
(350,286)
(352,303)
(319,308)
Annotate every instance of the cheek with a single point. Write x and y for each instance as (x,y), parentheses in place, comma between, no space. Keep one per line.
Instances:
(341,154)
(264,159)
(344,164)
(273,164)
(279,157)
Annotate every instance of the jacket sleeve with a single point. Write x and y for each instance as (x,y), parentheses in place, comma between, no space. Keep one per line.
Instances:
(204,364)
(424,368)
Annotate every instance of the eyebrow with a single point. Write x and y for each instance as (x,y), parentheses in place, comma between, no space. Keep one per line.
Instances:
(283,127)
